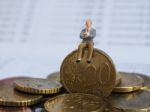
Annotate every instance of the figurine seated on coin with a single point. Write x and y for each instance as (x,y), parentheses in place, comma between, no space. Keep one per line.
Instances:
(87,34)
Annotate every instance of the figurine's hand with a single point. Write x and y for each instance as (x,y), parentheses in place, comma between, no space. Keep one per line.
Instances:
(85,35)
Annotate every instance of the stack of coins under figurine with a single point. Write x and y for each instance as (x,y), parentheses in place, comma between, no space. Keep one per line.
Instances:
(87,82)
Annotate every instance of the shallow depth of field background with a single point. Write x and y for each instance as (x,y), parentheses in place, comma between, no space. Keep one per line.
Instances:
(36,35)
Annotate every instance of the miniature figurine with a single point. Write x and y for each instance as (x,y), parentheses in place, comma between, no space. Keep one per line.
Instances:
(87,34)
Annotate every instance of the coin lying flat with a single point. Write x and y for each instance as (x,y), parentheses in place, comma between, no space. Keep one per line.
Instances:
(37,86)
(54,76)
(10,81)
(146,88)
(75,102)
(48,96)
(132,102)
(146,81)
(14,109)
(97,78)
(10,97)
(129,83)
(118,79)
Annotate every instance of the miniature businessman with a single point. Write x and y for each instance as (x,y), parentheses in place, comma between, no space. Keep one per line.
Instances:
(87,35)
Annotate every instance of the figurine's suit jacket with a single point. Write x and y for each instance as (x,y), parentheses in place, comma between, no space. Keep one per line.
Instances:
(92,34)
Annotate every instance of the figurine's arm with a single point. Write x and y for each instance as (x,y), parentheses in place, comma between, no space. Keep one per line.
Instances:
(82,35)
(93,34)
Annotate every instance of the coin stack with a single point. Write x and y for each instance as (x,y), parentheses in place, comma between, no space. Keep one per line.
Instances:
(78,87)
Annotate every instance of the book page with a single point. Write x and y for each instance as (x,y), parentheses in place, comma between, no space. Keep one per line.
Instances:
(36,35)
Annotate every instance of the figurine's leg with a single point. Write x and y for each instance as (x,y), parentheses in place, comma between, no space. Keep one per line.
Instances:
(80,51)
(90,52)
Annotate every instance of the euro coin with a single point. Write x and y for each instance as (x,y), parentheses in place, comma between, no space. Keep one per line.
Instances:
(96,78)
(10,81)
(37,86)
(138,101)
(48,96)
(54,76)
(146,81)
(129,83)
(10,97)
(75,102)
(118,79)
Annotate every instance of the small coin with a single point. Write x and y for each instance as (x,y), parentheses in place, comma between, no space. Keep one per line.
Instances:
(132,102)
(10,81)
(15,109)
(10,97)
(146,81)
(54,76)
(118,79)
(97,78)
(48,96)
(75,102)
(130,82)
(37,86)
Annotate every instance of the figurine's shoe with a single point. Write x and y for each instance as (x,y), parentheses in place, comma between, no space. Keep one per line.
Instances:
(78,60)
(88,61)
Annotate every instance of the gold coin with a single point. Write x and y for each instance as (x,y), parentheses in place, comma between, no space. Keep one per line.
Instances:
(37,86)
(10,81)
(118,79)
(146,88)
(75,102)
(15,109)
(97,78)
(48,96)
(54,76)
(10,97)
(132,102)
(146,81)
(129,83)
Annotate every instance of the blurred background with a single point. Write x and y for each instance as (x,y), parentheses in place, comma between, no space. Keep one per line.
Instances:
(36,35)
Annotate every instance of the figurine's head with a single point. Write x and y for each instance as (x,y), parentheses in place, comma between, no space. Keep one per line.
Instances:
(88,23)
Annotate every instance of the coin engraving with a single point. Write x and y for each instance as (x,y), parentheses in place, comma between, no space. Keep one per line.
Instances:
(104,71)
(97,78)
(75,102)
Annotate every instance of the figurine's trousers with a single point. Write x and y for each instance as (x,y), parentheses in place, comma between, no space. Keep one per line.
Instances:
(83,45)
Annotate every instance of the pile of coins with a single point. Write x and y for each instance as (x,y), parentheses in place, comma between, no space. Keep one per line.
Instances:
(78,87)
